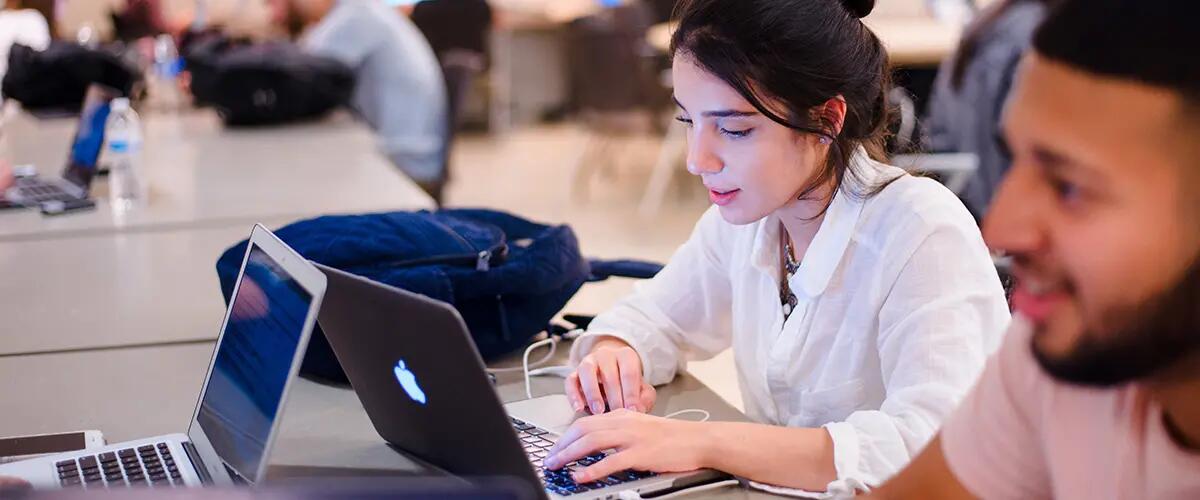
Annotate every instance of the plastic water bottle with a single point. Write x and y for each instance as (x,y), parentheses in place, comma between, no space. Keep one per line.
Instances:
(123,139)
(165,77)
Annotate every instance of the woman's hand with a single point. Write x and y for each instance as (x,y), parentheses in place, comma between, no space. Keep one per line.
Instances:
(642,442)
(13,483)
(611,373)
(6,176)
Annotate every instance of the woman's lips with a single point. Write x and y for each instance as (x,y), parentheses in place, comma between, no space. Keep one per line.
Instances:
(722,198)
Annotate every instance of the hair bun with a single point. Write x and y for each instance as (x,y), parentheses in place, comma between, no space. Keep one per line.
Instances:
(859,8)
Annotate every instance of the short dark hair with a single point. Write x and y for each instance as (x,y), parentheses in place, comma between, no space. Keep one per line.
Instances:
(1149,41)
(800,53)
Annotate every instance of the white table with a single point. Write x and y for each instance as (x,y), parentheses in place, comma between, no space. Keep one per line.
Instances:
(106,290)
(916,41)
(202,174)
(98,280)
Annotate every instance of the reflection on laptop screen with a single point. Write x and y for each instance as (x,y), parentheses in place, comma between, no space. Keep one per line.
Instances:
(252,363)
(89,137)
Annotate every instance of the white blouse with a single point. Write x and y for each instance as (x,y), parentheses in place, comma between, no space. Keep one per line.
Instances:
(899,305)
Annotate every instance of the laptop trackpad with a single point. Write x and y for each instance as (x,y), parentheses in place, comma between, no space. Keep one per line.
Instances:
(552,413)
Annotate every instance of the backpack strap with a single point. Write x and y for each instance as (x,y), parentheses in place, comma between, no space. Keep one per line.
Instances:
(639,269)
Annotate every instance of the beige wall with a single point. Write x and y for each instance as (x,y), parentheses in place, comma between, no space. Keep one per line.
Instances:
(903,8)
(909,8)
(244,17)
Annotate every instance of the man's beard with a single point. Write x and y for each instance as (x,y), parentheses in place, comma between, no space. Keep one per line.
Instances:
(1146,340)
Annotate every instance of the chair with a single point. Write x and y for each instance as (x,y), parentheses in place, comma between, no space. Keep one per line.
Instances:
(460,68)
(612,84)
(457,30)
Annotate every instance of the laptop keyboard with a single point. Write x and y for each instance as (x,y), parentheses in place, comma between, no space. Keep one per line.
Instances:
(34,190)
(150,465)
(559,482)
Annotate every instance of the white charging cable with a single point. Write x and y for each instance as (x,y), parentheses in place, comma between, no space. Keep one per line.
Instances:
(704,415)
(544,359)
(553,341)
(525,368)
(564,370)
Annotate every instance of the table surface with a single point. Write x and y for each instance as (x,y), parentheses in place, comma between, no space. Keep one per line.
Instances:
(910,40)
(202,174)
(133,393)
(98,291)
(94,280)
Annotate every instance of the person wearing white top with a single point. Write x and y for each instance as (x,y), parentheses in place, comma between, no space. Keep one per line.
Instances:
(860,301)
(24,26)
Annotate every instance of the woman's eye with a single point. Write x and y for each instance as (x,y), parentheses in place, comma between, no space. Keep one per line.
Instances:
(684,120)
(736,133)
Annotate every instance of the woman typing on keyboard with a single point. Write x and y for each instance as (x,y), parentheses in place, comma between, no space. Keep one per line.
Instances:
(860,302)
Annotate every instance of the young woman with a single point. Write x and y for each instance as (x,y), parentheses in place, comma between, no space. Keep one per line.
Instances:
(860,302)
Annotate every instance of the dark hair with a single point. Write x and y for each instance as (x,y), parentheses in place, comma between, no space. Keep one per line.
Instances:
(800,53)
(1149,41)
(968,47)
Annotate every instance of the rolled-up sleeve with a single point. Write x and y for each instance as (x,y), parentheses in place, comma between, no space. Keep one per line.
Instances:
(682,314)
(942,317)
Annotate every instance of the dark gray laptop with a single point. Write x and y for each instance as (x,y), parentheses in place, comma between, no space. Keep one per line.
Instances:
(415,368)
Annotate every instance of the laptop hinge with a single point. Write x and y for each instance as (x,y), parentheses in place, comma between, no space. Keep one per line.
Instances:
(234,476)
(197,463)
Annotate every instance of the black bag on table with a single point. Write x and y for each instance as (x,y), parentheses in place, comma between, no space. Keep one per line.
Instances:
(56,79)
(265,83)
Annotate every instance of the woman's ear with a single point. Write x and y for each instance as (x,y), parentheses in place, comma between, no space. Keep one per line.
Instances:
(832,114)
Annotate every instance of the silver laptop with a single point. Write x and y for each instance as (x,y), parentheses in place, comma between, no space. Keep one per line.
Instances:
(421,381)
(266,329)
(30,189)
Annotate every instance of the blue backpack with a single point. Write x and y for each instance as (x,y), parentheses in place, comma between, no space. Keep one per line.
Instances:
(508,277)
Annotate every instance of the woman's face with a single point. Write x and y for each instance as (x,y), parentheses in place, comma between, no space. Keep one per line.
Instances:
(751,165)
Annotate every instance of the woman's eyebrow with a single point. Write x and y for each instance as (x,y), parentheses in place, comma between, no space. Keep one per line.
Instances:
(719,113)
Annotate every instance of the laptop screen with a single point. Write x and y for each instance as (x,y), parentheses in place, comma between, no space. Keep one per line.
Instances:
(253,362)
(89,136)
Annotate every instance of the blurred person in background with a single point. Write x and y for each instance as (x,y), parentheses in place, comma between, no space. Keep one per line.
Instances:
(860,302)
(1096,392)
(139,19)
(47,9)
(25,22)
(972,88)
(400,91)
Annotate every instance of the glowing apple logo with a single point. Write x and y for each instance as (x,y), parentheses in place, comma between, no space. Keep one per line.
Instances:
(409,382)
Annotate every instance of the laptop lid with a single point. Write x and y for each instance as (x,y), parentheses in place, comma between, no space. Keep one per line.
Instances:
(420,379)
(266,330)
(84,155)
